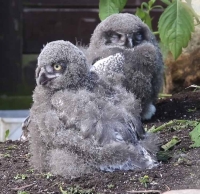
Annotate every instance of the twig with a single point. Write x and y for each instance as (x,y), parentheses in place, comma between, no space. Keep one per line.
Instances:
(193,86)
(167,188)
(53,185)
(23,187)
(172,122)
(146,191)
(162,95)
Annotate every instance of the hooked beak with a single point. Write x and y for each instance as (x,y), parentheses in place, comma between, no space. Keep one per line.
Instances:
(129,40)
(41,77)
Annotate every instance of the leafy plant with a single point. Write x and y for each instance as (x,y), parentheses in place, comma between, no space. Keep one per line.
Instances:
(20,176)
(48,175)
(175,24)
(109,7)
(6,155)
(12,147)
(177,125)
(144,12)
(7,133)
(22,192)
(76,190)
(30,170)
(145,180)
(110,186)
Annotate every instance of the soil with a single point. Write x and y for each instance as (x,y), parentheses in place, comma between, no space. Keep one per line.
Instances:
(181,170)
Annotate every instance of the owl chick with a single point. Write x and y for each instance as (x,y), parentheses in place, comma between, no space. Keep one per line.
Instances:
(143,65)
(79,123)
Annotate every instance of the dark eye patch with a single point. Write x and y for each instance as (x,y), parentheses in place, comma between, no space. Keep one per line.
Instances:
(138,37)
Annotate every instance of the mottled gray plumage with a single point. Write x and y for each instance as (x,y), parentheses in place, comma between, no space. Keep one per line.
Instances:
(143,66)
(79,123)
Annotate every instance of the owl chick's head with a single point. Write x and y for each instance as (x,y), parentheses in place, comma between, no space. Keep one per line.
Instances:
(118,31)
(60,65)
(123,29)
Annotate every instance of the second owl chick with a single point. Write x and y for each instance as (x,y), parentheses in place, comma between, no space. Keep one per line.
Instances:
(143,65)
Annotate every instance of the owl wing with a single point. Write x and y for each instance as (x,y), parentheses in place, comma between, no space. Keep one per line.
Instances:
(111,63)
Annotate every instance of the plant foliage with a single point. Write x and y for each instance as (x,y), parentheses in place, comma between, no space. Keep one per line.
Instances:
(175,26)
(109,7)
(195,136)
(7,133)
(143,12)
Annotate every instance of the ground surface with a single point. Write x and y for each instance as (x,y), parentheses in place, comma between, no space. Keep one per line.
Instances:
(181,171)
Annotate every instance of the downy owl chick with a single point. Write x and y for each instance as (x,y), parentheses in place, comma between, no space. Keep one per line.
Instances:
(143,65)
(79,123)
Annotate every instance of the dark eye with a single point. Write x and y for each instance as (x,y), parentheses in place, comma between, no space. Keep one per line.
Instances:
(138,36)
(57,67)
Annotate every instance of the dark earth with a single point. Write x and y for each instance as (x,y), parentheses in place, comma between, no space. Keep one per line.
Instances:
(180,170)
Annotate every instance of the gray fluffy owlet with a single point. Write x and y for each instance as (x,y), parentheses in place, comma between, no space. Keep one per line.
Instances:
(142,67)
(78,123)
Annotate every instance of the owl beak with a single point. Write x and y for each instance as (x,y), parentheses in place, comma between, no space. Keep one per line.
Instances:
(41,77)
(129,40)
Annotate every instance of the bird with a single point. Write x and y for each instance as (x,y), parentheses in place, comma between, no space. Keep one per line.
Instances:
(79,123)
(127,35)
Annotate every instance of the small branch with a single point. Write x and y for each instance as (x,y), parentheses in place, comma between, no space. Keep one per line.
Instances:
(193,86)
(146,191)
(161,95)
(161,127)
(170,123)
(23,187)
(156,33)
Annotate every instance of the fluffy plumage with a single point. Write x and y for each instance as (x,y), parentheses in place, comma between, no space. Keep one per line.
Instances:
(142,67)
(79,123)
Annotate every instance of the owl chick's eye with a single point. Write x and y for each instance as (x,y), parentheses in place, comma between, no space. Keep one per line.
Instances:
(138,36)
(115,38)
(57,67)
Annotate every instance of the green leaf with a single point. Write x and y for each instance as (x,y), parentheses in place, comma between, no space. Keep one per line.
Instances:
(140,13)
(109,7)
(167,2)
(7,133)
(62,191)
(175,26)
(195,136)
(163,156)
(144,16)
(148,20)
(151,2)
(195,15)
(144,5)
(189,2)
